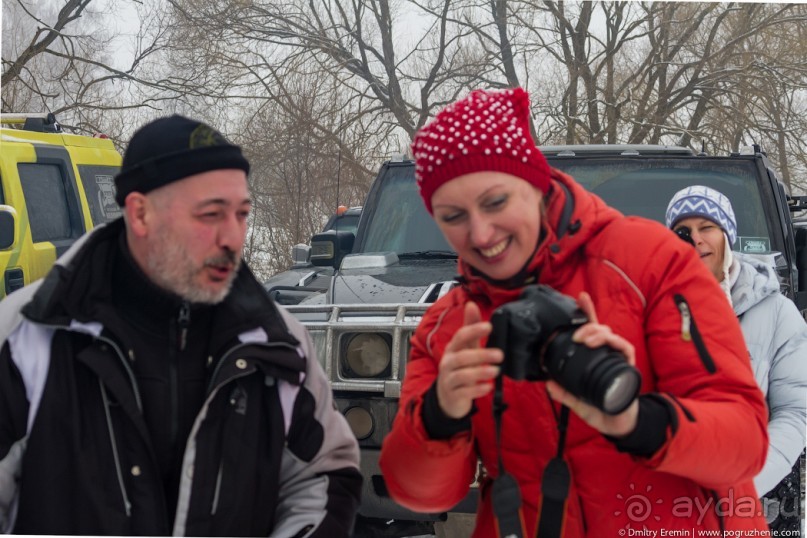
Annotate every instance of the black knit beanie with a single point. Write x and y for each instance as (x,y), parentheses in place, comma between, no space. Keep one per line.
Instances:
(173,148)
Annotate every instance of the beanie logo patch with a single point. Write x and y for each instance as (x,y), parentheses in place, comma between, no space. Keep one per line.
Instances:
(205,136)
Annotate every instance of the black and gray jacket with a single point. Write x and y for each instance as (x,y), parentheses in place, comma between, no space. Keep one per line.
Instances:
(268,454)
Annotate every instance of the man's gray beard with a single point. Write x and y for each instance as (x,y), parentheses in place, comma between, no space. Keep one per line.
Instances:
(169,267)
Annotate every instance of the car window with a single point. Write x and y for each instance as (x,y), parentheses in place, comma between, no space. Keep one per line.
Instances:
(46,197)
(644,187)
(99,187)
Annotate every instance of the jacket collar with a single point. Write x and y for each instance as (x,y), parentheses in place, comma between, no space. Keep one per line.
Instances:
(79,287)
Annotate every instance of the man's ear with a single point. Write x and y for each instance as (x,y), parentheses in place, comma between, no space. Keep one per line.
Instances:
(137,209)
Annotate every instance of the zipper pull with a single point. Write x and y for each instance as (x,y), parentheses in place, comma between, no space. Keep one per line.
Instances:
(184,320)
(686,321)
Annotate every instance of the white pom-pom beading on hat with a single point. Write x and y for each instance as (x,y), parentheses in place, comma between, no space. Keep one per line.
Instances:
(486,131)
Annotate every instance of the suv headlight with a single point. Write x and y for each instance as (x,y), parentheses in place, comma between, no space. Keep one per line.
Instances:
(366,354)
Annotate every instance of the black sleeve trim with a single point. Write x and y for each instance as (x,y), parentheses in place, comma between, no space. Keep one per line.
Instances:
(13,403)
(651,428)
(438,425)
(344,492)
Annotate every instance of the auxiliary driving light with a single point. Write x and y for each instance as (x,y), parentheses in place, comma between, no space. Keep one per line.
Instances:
(360,421)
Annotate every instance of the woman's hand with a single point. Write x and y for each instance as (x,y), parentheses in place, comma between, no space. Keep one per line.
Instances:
(467,369)
(592,334)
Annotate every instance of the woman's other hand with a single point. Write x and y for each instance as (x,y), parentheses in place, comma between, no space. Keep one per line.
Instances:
(467,369)
(593,335)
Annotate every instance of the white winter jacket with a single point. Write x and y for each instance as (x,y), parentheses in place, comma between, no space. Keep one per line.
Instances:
(776,336)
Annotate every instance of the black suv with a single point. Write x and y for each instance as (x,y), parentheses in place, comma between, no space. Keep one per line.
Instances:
(398,263)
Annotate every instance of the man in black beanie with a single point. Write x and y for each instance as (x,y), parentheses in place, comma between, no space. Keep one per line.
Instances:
(149,386)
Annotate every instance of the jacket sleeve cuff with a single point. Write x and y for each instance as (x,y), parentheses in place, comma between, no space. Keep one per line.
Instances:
(437,424)
(650,432)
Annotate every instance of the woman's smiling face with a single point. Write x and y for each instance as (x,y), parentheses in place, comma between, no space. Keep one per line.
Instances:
(492,219)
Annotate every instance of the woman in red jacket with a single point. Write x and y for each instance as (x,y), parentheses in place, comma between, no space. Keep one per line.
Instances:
(681,457)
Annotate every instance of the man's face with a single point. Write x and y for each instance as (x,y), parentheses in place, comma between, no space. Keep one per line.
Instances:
(196,233)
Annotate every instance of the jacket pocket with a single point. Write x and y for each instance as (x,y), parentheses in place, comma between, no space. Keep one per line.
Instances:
(690,332)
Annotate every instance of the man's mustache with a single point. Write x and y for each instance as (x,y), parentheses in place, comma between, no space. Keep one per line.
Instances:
(227,257)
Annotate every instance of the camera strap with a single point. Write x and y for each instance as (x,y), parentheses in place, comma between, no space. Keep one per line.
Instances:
(505,494)
(555,486)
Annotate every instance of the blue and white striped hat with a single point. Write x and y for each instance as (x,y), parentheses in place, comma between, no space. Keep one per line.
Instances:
(704,202)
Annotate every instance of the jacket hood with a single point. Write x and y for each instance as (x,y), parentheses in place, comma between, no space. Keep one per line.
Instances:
(573,216)
(755,281)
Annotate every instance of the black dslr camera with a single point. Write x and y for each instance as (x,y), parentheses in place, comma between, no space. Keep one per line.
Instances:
(685,234)
(535,333)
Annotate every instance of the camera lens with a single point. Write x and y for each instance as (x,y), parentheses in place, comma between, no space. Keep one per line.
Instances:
(599,376)
(686,234)
(614,382)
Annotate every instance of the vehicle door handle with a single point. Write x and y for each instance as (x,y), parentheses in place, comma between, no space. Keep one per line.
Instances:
(15,279)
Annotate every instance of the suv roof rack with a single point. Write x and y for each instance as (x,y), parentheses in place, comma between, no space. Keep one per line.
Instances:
(614,149)
(32,121)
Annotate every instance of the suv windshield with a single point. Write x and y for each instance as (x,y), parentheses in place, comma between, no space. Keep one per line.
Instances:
(644,187)
(398,221)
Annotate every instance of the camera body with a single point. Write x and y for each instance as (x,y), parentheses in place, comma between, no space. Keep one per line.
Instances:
(535,333)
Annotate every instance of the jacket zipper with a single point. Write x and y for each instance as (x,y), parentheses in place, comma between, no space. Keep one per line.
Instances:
(686,321)
(184,320)
(179,340)
(689,332)
(127,505)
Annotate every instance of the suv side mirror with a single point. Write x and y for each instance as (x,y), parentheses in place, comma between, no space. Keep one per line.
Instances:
(328,248)
(7,224)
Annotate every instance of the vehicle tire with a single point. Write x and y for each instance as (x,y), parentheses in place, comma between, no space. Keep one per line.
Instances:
(783,505)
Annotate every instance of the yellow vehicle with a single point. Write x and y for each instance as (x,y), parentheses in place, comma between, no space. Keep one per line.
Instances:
(55,187)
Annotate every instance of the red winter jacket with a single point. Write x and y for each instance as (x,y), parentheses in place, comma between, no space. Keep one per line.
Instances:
(639,276)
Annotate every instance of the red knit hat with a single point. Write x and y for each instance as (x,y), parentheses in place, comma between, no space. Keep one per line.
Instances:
(486,131)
